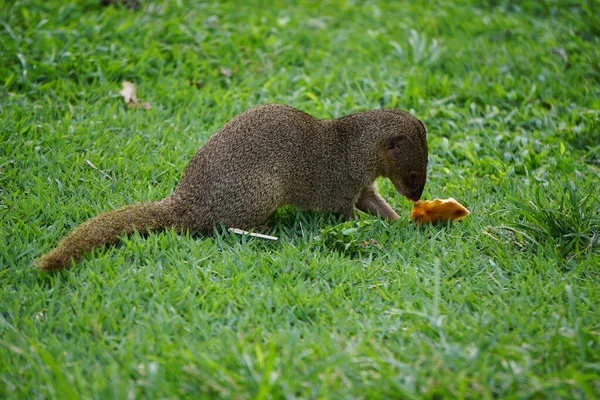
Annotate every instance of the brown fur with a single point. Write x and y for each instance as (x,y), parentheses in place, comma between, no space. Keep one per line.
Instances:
(267,157)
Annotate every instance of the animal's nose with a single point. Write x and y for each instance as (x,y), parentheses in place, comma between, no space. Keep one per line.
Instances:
(416,193)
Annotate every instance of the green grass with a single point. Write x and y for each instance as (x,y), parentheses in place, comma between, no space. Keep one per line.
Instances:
(503,304)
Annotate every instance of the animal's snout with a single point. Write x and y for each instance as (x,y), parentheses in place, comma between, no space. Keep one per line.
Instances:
(416,193)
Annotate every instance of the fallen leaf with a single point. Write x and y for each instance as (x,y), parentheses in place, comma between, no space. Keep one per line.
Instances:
(130,97)
(198,84)
(128,93)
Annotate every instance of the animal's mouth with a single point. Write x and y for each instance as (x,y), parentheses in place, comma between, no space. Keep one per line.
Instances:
(413,195)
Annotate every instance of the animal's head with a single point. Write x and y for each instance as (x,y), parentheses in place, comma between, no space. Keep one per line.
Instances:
(405,157)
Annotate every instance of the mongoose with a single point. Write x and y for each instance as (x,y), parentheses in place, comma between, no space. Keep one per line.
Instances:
(267,157)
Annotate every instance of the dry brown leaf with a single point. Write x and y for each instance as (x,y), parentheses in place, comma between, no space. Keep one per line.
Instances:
(128,93)
(130,97)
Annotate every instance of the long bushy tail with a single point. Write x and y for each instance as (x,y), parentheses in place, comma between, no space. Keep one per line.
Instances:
(105,229)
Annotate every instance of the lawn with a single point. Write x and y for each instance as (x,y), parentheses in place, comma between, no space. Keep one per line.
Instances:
(503,304)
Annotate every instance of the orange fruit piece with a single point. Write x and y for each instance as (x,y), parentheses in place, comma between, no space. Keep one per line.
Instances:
(432,211)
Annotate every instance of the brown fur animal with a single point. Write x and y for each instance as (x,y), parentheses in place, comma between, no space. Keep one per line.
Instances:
(269,156)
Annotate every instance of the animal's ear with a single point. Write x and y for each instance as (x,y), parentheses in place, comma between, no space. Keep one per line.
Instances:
(423,126)
(393,142)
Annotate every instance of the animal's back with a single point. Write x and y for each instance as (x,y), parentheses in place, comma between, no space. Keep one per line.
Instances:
(249,167)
